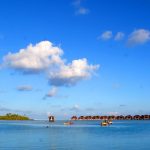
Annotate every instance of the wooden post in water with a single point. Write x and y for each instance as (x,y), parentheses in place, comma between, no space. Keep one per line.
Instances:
(51,118)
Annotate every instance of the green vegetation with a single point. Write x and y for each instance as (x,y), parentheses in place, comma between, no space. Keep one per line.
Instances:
(10,116)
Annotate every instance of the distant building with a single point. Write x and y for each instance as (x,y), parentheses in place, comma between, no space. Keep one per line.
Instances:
(120,117)
(111,117)
(51,118)
(81,118)
(128,117)
(146,117)
(74,118)
(137,117)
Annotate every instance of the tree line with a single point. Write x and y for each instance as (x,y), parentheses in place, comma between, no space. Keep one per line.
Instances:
(10,116)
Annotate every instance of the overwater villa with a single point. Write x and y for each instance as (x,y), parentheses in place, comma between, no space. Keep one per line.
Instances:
(74,118)
(128,117)
(103,117)
(111,117)
(88,117)
(120,117)
(146,117)
(81,118)
(97,117)
(137,117)
(51,118)
(93,117)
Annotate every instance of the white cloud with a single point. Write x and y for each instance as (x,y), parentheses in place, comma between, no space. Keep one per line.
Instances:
(82,11)
(47,58)
(70,74)
(52,92)
(119,36)
(34,58)
(24,88)
(139,36)
(106,35)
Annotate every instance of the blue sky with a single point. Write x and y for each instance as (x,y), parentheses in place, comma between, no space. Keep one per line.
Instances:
(87,57)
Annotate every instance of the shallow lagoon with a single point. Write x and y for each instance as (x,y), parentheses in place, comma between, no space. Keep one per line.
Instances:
(83,135)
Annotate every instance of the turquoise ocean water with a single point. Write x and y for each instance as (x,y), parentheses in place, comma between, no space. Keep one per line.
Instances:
(82,135)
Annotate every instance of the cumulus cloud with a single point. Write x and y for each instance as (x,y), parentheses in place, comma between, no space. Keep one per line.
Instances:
(52,92)
(79,9)
(34,58)
(70,74)
(106,35)
(25,88)
(47,58)
(119,36)
(139,36)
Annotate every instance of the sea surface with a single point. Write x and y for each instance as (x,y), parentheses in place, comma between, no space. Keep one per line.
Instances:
(82,135)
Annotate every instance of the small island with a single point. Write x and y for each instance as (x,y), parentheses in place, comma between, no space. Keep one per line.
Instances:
(10,116)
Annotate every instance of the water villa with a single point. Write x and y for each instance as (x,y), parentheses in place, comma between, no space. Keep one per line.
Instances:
(51,118)
(129,117)
(121,117)
(137,117)
(74,118)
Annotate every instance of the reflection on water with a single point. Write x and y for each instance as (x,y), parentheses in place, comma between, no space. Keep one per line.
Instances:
(82,135)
